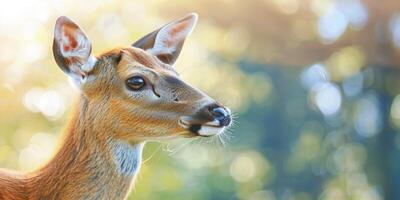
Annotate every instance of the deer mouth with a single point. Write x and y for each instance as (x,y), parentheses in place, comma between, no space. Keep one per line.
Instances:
(210,120)
(206,129)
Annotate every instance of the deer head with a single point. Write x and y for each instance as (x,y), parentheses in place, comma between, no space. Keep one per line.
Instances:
(136,90)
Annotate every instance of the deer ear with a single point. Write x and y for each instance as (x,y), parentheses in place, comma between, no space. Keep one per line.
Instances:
(166,43)
(72,49)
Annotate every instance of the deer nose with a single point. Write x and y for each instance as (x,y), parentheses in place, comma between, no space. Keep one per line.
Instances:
(221,114)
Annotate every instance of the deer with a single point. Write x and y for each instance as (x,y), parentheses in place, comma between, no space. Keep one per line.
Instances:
(127,97)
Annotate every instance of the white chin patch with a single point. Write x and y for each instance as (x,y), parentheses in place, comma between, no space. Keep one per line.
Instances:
(207,129)
(210,130)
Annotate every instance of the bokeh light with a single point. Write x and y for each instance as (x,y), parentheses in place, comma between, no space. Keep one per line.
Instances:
(327,98)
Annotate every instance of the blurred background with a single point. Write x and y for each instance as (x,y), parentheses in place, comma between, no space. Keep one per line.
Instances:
(315,86)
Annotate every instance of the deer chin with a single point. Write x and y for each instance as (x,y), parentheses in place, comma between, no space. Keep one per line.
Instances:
(205,130)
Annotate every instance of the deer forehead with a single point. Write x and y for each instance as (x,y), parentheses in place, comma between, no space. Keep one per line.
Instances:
(132,57)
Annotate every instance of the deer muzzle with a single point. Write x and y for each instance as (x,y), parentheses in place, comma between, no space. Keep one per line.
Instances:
(210,120)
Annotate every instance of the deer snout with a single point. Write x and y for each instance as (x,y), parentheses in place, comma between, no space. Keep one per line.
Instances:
(221,114)
(210,120)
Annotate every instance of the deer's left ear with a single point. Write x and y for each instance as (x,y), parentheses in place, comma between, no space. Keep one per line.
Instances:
(166,43)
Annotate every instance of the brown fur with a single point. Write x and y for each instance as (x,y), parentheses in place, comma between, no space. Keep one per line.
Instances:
(83,168)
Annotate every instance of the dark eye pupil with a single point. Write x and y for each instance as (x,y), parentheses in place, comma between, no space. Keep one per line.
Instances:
(136,82)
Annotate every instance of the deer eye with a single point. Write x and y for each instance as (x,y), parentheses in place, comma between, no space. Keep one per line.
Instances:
(136,83)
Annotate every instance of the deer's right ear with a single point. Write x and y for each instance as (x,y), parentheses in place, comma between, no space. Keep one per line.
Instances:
(72,49)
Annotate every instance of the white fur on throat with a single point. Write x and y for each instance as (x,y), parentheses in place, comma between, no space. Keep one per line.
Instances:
(127,157)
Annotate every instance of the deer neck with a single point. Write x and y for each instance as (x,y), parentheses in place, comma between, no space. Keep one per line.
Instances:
(88,165)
